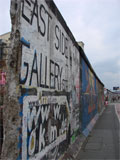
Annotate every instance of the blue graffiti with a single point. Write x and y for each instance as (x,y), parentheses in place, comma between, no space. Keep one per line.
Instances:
(21,114)
(26,43)
(22,97)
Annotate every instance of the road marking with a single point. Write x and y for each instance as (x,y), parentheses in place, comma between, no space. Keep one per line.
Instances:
(117,110)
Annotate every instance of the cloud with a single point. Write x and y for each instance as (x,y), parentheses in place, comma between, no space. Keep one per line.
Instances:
(96,25)
(118,63)
(111,79)
(5,23)
(109,72)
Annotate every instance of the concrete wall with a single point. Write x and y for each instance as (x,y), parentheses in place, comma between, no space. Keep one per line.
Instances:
(4,51)
(43,107)
(11,107)
(48,61)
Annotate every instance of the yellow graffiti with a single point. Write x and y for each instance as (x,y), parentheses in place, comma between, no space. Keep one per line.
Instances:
(32,143)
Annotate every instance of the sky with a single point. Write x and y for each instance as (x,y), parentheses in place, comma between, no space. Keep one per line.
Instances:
(97,24)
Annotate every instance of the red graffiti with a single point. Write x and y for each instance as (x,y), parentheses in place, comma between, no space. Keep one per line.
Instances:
(2,78)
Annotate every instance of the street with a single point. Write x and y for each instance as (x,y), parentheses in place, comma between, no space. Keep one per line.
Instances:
(104,140)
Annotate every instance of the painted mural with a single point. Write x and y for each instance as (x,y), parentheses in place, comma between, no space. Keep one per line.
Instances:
(89,95)
(49,81)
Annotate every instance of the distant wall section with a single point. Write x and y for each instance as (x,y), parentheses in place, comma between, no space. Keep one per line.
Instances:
(88,94)
(100,96)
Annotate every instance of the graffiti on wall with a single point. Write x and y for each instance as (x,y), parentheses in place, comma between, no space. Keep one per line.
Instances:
(45,124)
(50,65)
(89,95)
(2,78)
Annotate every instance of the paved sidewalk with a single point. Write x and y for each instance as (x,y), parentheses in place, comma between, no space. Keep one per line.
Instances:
(75,148)
(104,140)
